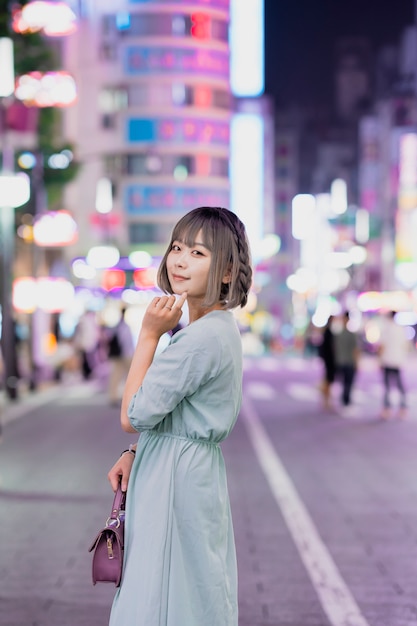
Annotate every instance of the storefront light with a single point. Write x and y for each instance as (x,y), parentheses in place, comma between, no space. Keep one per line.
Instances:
(358,255)
(140,259)
(339,260)
(406,274)
(303,212)
(48,89)
(48,294)
(362,226)
(338,196)
(14,189)
(55,19)
(104,196)
(102,257)
(82,270)
(55,229)
(7,67)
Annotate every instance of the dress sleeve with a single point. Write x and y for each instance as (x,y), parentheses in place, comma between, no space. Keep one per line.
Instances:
(179,371)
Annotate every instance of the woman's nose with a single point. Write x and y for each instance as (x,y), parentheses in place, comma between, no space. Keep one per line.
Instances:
(180,260)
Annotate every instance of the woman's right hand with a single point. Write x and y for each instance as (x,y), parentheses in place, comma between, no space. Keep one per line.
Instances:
(162,314)
(120,471)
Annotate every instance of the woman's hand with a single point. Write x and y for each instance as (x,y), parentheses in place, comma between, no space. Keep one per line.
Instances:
(121,470)
(162,315)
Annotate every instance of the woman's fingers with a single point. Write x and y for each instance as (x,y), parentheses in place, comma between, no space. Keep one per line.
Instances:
(121,472)
(181,300)
(169,302)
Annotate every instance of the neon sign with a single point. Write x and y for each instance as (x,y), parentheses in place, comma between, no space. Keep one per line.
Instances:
(142,200)
(139,60)
(140,130)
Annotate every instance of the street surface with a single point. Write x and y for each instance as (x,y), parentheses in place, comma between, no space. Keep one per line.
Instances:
(324,504)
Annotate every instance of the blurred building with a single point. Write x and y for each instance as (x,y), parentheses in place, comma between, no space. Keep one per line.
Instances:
(366,141)
(387,168)
(153,115)
(171,115)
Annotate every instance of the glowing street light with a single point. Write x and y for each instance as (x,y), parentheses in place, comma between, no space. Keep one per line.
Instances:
(55,229)
(47,89)
(55,19)
(338,196)
(303,210)
(103,257)
(7,71)
(52,295)
(104,196)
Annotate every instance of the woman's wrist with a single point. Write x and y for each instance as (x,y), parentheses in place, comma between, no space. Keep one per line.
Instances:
(131,450)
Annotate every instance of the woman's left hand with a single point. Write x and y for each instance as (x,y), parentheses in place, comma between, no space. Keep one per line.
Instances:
(120,471)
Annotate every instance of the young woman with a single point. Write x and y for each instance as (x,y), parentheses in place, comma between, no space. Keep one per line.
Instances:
(180,562)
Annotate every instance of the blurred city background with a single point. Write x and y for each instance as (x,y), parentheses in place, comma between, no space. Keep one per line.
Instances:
(116,118)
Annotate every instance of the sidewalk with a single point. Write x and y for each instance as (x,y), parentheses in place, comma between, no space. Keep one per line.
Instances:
(49,391)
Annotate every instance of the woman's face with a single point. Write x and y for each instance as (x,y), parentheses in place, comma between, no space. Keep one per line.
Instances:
(188,268)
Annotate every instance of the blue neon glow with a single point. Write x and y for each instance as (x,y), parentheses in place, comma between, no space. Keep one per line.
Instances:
(123,20)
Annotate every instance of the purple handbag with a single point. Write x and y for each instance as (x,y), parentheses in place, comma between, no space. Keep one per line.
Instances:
(108,546)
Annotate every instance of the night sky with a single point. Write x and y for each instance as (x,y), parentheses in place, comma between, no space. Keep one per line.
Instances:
(300,37)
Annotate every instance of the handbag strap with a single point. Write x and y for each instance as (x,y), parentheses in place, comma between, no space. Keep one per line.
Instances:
(118,502)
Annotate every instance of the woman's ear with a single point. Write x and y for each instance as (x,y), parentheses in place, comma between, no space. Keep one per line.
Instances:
(227,277)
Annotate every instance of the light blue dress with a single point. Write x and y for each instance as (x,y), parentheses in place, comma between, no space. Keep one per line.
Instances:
(180,559)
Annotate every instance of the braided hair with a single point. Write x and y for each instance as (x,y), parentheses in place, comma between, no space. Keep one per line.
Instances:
(225,236)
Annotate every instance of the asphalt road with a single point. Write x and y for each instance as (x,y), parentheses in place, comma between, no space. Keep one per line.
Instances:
(324,504)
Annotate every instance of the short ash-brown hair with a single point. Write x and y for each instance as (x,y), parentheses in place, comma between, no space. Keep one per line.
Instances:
(225,236)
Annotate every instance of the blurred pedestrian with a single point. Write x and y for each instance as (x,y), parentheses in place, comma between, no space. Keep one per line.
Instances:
(346,351)
(86,338)
(120,351)
(326,353)
(394,348)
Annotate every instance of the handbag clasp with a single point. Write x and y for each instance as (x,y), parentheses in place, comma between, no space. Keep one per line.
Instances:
(110,548)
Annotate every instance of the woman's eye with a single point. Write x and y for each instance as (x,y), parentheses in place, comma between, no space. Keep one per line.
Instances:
(175,247)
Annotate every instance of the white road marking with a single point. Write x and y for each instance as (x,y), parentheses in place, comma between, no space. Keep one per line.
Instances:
(303,392)
(335,597)
(260,391)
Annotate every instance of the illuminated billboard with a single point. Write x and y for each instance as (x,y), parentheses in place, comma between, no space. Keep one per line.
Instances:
(142,60)
(147,200)
(247,47)
(180,130)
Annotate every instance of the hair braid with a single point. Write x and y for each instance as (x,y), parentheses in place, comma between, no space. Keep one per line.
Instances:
(242,271)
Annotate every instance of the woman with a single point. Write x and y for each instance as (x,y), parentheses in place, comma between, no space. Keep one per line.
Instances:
(180,562)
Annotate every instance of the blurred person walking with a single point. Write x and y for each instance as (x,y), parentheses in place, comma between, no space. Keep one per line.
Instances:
(86,340)
(346,351)
(326,353)
(120,351)
(393,350)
